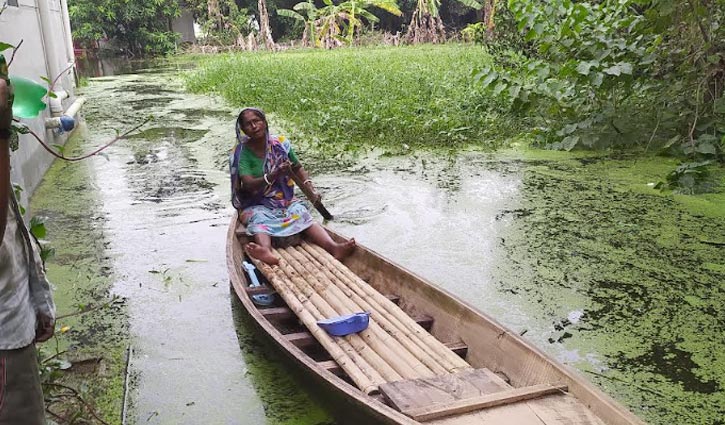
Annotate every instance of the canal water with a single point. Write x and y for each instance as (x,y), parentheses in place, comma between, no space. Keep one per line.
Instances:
(552,256)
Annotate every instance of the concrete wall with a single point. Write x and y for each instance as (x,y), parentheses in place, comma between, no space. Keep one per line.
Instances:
(44,52)
(184,25)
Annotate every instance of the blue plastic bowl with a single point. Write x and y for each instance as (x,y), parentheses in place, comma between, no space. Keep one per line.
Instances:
(346,325)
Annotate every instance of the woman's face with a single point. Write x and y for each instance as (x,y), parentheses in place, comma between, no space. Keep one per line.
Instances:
(253,125)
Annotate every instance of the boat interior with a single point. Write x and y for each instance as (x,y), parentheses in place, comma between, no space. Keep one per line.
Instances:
(424,354)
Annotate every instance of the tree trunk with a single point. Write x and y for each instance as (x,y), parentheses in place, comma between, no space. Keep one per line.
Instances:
(425,28)
(214,14)
(264,31)
(489,11)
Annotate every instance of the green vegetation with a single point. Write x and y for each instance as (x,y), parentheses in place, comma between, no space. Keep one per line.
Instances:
(133,27)
(87,353)
(397,98)
(642,271)
(623,74)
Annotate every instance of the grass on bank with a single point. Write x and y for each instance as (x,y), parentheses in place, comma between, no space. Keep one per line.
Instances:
(348,98)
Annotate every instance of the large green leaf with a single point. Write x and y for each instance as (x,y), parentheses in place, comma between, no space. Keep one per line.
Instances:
(473,4)
(290,14)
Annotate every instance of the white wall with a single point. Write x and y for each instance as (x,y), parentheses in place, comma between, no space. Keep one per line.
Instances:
(33,60)
(184,25)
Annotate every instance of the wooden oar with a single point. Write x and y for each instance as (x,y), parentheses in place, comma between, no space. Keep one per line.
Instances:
(313,197)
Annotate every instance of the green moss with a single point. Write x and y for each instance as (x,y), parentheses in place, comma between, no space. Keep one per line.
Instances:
(276,387)
(80,272)
(591,235)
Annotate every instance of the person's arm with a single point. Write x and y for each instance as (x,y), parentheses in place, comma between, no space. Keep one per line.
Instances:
(6,117)
(42,298)
(303,176)
(253,184)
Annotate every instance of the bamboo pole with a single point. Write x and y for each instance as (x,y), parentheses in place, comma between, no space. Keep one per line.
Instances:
(341,270)
(356,302)
(367,381)
(363,357)
(391,368)
(398,326)
(383,344)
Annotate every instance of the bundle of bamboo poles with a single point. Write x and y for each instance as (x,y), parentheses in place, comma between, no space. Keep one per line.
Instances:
(394,347)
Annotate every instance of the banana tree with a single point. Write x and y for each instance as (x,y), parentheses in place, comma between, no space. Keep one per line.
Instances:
(426,24)
(348,16)
(265,32)
(489,11)
(306,12)
(357,9)
(331,22)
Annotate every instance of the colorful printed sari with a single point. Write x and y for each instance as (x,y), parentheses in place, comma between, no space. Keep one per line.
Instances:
(274,210)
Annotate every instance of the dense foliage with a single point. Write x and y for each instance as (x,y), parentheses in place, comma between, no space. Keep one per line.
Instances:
(131,27)
(644,74)
(618,73)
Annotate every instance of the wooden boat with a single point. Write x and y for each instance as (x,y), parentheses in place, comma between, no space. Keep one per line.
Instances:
(498,378)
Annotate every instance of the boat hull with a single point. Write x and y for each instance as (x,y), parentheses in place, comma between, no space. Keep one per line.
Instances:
(490,345)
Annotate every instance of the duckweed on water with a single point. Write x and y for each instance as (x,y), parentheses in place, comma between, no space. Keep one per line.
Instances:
(278,390)
(82,276)
(633,263)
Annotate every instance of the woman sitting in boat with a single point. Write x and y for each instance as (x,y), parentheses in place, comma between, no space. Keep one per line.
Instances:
(262,167)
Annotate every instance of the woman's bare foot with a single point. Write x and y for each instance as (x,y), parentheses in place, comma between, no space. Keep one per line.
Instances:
(262,253)
(343,249)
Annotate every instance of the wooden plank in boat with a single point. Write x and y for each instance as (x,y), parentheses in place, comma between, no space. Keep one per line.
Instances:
(305,339)
(457,407)
(460,348)
(332,367)
(277,313)
(301,339)
(416,393)
(258,290)
(394,298)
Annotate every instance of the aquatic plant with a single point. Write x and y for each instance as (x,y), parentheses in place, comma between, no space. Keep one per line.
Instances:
(350,99)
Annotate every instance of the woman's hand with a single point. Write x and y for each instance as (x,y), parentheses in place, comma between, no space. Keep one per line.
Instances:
(282,169)
(316,197)
(45,326)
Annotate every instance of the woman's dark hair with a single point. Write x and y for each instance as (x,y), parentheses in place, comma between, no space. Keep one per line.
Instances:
(257,111)
(240,118)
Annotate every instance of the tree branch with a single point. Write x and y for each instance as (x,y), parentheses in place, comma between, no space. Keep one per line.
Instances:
(77,395)
(88,155)
(15,50)
(705,35)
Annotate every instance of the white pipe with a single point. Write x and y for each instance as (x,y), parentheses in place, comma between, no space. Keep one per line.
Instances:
(75,107)
(69,114)
(46,27)
(56,103)
(70,52)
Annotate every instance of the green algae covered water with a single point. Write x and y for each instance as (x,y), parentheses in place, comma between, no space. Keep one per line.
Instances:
(576,253)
